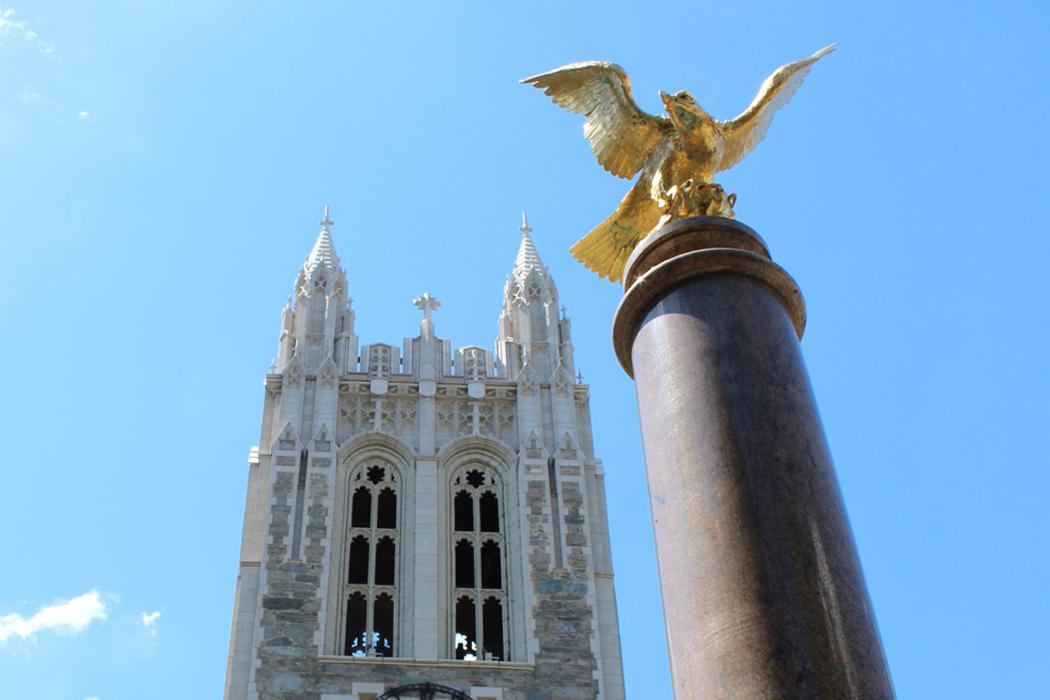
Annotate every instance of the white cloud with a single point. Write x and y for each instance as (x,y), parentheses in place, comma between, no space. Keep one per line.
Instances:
(16,33)
(83,114)
(149,621)
(71,617)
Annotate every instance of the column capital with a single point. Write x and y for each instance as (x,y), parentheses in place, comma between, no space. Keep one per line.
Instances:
(689,248)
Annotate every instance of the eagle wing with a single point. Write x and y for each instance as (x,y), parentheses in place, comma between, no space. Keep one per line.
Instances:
(745,131)
(622,136)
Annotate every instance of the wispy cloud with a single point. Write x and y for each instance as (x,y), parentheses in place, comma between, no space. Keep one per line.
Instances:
(31,98)
(16,34)
(30,95)
(71,617)
(149,621)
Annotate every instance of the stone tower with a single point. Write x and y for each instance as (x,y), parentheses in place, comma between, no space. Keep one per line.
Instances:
(423,523)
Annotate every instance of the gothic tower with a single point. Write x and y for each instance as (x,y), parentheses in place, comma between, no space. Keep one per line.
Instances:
(423,523)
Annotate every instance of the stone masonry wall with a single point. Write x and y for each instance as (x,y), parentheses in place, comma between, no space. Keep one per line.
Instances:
(563,618)
(291,602)
(290,668)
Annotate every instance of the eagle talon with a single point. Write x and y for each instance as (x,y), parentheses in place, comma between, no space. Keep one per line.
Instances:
(692,199)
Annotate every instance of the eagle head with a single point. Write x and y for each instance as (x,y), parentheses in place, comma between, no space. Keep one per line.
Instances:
(683,110)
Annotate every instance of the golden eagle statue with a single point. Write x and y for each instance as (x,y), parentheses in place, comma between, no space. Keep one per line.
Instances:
(677,154)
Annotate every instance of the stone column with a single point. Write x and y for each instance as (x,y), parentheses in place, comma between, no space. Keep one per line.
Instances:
(762,590)
(426,644)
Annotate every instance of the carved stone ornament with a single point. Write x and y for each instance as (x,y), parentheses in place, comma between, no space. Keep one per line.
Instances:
(323,440)
(533,448)
(379,361)
(287,441)
(561,381)
(474,364)
(527,380)
(328,372)
(293,372)
(567,448)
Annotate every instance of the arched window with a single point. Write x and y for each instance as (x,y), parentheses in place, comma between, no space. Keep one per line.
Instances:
(424,691)
(479,594)
(371,578)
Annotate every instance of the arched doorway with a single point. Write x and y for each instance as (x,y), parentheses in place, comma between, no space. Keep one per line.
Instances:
(423,691)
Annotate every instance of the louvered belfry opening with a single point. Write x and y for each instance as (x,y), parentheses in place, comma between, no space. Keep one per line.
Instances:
(478,565)
(371,582)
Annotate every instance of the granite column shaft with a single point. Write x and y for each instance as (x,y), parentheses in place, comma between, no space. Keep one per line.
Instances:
(762,588)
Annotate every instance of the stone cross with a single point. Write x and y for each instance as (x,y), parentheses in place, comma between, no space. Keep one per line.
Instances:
(326,223)
(524,223)
(426,304)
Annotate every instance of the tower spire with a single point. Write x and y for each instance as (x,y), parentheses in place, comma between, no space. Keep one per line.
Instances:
(319,322)
(531,331)
(528,258)
(323,253)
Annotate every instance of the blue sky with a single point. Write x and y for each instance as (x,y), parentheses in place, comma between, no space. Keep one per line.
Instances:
(162,169)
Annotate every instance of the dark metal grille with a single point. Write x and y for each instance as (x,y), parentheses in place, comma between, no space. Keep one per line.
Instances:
(423,691)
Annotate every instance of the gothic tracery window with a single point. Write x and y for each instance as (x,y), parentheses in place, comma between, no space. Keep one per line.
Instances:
(479,589)
(371,578)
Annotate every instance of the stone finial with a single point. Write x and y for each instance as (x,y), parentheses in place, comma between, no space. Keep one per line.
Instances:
(427,304)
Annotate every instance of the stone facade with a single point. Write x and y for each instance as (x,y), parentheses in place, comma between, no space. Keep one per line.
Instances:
(364,570)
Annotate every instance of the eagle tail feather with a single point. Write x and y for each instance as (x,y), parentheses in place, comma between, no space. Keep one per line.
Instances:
(605,250)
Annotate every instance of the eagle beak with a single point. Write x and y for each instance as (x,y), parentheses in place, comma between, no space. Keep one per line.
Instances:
(668,100)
